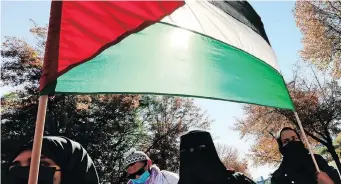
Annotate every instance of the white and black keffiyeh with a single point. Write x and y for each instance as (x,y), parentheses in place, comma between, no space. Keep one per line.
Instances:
(133,156)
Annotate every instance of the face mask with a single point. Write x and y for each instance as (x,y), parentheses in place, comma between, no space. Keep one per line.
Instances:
(142,179)
(19,175)
(139,172)
(294,149)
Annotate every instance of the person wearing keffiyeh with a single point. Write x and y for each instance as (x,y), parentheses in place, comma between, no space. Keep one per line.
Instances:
(140,170)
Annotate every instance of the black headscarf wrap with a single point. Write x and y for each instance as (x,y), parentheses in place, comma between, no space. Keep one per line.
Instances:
(279,140)
(76,165)
(297,161)
(199,161)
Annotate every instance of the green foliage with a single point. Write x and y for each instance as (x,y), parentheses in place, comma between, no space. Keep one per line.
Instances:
(324,150)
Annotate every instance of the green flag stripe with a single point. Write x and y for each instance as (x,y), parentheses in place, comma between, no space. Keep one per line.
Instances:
(165,59)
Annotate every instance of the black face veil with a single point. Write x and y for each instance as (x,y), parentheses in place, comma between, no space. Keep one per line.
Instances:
(199,161)
(279,140)
(76,165)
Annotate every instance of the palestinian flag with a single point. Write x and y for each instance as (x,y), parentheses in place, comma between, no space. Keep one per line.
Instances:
(216,50)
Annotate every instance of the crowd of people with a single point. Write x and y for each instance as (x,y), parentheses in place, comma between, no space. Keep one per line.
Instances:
(65,161)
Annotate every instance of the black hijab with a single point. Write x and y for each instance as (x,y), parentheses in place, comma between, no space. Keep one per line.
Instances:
(297,162)
(76,165)
(279,140)
(199,161)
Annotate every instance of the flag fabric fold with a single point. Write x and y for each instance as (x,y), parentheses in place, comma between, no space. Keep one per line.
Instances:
(216,50)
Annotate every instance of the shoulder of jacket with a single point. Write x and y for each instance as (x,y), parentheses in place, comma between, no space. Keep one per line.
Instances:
(170,175)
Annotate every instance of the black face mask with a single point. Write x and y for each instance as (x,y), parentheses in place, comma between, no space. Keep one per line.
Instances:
(139,173)
(297,160)
(19,175)
(294,149)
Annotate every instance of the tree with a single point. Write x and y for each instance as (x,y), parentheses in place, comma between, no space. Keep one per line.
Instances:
(320,24)
(337,146)
(168,118)
(230,158)
(319,108)
(265,151)
(109,126)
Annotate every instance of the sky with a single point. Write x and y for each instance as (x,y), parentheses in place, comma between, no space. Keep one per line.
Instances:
(280,27)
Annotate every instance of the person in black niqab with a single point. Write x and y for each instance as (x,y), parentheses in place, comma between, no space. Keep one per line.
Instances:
(63,161)
(297,165)
(200,163)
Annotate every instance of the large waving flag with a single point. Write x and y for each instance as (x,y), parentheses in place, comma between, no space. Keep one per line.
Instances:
(216,50)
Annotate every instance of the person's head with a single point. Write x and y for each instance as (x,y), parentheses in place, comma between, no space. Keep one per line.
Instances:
(199,160)
(49,171)
(288,134)
(289,141)
(137,164)
(62,161)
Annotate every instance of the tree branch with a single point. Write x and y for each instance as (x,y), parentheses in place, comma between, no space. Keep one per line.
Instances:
(316,138)
(333,7)
(266,157)
(162,137)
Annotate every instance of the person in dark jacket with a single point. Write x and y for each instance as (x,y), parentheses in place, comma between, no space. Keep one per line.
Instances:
(200,163)
(297,165)
(63,161)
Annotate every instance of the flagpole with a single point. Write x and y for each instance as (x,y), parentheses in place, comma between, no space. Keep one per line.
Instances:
(307,142)
(38,139)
